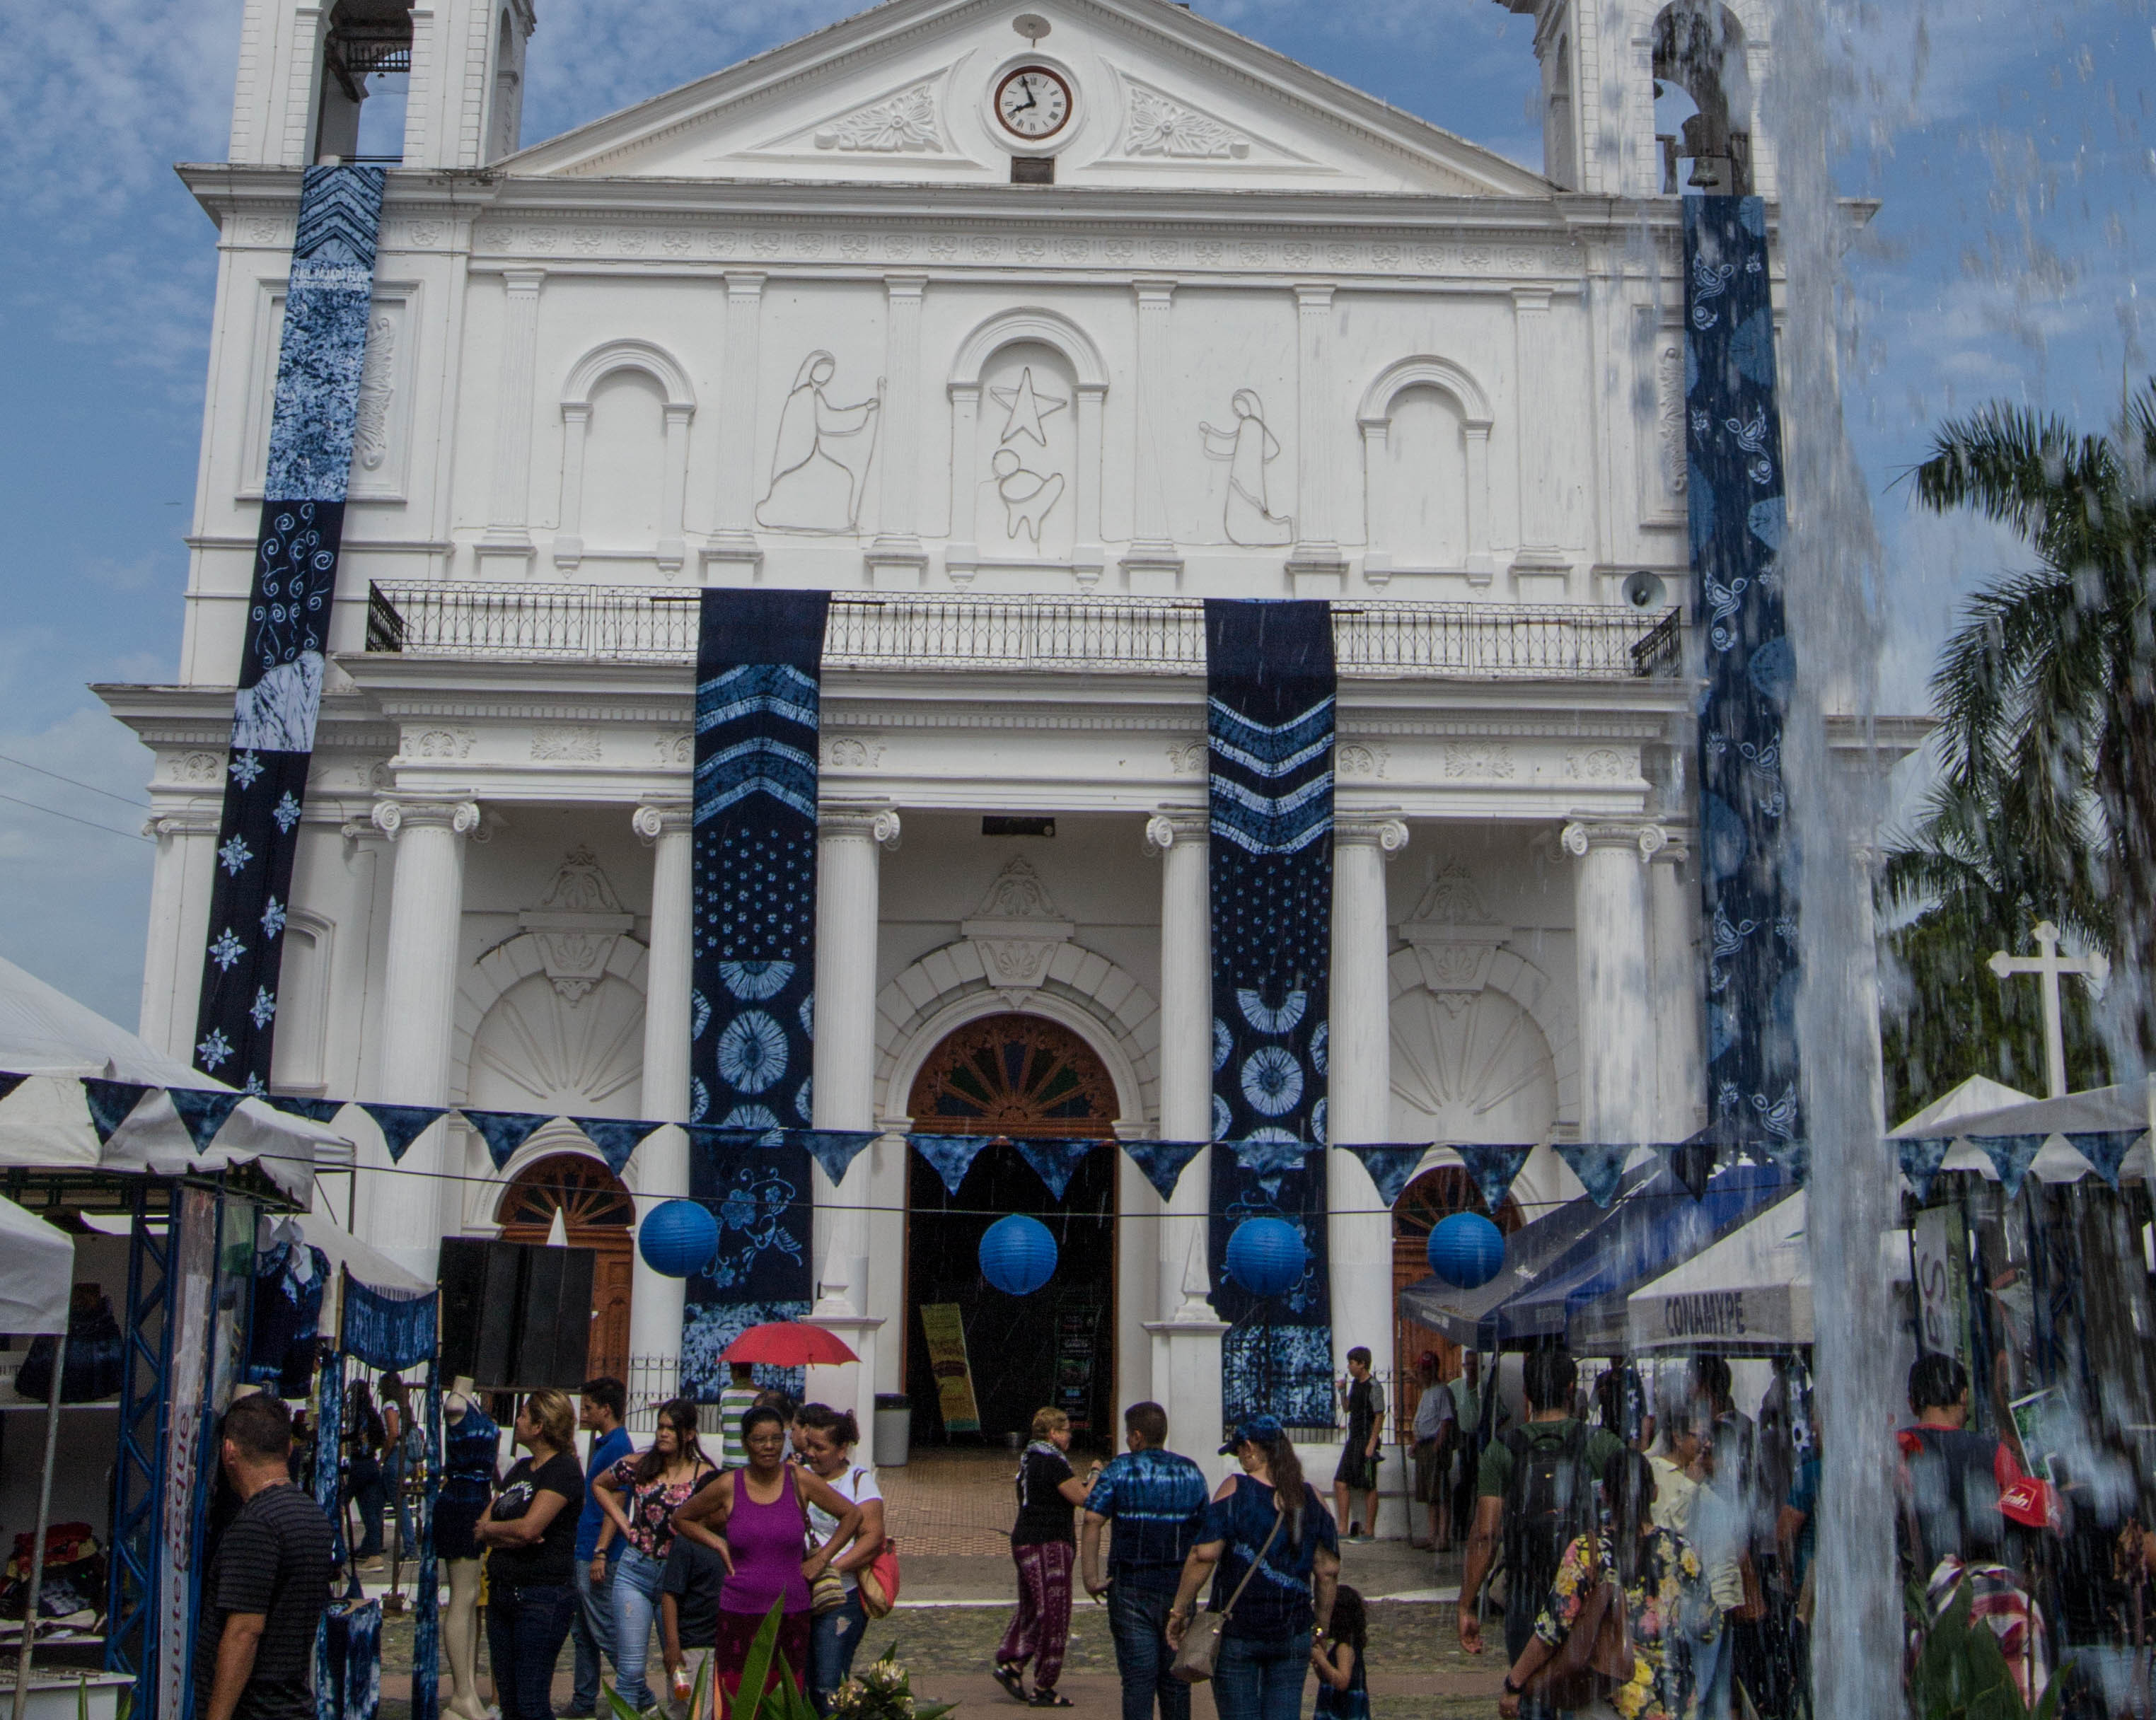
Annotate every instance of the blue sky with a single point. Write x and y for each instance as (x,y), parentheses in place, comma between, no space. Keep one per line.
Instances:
(2013,146)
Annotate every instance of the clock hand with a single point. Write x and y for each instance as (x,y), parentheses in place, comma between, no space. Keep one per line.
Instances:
(1026,84)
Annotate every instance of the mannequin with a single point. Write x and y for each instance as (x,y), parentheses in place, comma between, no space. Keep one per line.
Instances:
(469,1442)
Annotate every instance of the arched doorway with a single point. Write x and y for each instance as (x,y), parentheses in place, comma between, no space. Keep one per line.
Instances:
(598,1214)
(1432,1198)
(1015,1077)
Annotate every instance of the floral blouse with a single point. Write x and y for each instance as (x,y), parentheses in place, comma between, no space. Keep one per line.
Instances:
(1667,1610)
(651,1507)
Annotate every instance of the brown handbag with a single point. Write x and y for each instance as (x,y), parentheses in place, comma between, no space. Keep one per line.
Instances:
(1200,1653)
(1595,1657)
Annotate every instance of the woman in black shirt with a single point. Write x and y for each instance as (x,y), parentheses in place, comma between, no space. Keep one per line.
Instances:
(530,1532)
(1044,1546)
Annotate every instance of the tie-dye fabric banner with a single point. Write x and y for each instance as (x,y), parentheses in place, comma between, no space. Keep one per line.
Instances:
(759,664)
(323,347)
(1734,488)
(1269,686)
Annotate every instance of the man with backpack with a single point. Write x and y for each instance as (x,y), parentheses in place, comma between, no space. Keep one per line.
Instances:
(1535,1494)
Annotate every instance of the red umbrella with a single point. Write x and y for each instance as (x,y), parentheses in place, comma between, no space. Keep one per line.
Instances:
(788,1344)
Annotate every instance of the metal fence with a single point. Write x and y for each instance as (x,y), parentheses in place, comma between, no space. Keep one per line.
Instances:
(1495,641)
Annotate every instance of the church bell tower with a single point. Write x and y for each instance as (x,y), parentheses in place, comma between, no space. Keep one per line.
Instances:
(306,72)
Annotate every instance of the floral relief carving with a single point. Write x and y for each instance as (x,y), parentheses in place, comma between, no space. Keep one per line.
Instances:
(1479,760)
(1017,929)
(854,246)
(434,744)
(1670,418)
(764,244)
(1163,127)
(1356,759)
(370,444)
(1600,764)
(897,246)
(586,240)
(676,749)
(577,925)
(1188,760)
(849,753)
(904,123)
(565,742)
(675,242)
(197,769)
(1252,252)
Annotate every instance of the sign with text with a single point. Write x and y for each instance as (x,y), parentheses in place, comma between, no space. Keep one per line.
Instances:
(1938,1248)
(945,1329)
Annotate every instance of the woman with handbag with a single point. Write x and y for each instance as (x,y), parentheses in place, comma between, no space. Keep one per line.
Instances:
(1615,1636)
(1268,1523)
(756,1519)
(827,1438)
(641,1494)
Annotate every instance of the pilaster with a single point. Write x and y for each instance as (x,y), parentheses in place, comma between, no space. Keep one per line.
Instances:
(732,556)
(1316,566)
(1152,564)
(508,535)
(895,558)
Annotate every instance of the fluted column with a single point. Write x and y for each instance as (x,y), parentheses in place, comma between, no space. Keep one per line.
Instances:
(180,886)
(848,919)
(508,534)
(895,558)
(659,1167)
(1186,1339)
(1151,563)
(731,554)
(1315,565)
(408,1203)
(1359,1087)
(1610,939)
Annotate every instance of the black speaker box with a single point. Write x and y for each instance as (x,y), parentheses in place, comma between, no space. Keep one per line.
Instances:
(516,1316)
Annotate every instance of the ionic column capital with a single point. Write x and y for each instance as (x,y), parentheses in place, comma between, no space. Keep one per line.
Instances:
(1384,829)
(1647,837)
(877,820)
(392,817)
(1173,824)
(656,819)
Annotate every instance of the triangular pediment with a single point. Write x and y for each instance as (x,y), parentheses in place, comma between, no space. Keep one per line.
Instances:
(1132,94)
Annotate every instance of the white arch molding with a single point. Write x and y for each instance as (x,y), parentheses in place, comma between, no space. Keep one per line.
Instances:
(1375,419)
(1027,325)
(680,398)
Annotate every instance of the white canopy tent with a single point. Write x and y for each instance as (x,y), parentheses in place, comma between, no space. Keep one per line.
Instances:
(56,1042)
(1983,1107)
(37,1274)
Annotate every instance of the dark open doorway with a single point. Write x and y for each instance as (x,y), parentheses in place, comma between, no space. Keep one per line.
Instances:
(1015,1077)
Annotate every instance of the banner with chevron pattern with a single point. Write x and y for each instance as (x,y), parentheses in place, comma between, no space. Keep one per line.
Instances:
(752,1026)
(1270,687)
(323,349)
(1734,496)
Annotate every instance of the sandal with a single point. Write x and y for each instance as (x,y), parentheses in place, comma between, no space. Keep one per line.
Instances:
(1012,1680)
(1048,1699)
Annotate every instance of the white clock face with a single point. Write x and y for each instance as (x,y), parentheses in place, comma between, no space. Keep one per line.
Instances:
(1033,102)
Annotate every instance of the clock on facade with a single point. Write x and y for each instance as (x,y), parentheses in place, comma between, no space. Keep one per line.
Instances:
(1033,102)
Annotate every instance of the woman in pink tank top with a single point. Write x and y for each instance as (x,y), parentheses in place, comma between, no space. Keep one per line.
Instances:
(756,1519)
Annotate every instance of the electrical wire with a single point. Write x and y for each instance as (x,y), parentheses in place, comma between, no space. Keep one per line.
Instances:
(74,782)
(54,811)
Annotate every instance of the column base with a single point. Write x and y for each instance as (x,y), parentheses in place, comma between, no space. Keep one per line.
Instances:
(1186,1355)
(896,563)
(505,544)
(1152,569)
(730,558)
(851,1385)
(1318,570)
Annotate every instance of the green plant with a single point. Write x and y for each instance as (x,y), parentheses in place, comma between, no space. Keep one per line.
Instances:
(885,1692)
(700,1697)
(1960,1672)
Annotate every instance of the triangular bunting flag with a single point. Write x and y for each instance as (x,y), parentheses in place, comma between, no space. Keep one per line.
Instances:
(1390,1167)
(1920,1162)
(1692,1163)
(2106,1150)
(505,1131)
(2010,1155)
(8,1083)
(401,1125)
(1163,1162)
(1493,1169)
(1600,1165)
(1271,1160)
(1795,1158)
(951,1155)
(615,1137)
(110,1103)
(708,1140)
(203,1111)
(835,1149)
(314,1110)
(1055,1161)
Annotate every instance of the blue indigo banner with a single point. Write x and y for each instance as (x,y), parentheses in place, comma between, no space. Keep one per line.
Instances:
(759,1190)
(1269,684)
(1733,444)
(323,346)
(759,663)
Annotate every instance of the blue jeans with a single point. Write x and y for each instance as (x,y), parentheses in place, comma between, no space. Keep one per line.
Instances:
(524,1626)
(833,1638)
(1137,1620)
(592,1633)
(1257,1681)
(635,1588)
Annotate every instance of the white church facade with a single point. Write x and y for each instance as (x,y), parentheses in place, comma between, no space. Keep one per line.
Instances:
(1022,326)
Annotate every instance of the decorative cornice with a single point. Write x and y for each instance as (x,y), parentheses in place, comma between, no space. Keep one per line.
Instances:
(392,817)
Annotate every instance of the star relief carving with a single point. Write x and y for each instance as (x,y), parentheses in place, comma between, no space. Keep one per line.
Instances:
(1028,408)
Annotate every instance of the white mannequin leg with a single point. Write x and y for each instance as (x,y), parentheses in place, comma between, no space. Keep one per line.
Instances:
(460,1639)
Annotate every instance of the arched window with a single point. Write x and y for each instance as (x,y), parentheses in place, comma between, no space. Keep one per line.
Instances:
(1702,98)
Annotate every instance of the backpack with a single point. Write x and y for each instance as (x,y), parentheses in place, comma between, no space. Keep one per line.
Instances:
(1549,1502)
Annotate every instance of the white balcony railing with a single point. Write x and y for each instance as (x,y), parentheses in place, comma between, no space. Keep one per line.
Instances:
(1095,635)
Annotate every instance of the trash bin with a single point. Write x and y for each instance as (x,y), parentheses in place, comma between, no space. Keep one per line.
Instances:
(894,1429)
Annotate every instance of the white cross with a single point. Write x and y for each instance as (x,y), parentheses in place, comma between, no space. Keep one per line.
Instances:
(2048,965)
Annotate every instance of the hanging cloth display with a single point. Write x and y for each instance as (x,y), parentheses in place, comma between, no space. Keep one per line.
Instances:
(1734,496)
(324,346)
(1270,684)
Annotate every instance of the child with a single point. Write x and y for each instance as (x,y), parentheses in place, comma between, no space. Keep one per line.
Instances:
(1341,1692)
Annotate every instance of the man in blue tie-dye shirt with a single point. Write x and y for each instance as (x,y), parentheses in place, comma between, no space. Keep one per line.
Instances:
(1156,1500)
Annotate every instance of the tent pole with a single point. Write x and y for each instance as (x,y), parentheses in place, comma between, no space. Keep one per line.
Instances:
(37,1542)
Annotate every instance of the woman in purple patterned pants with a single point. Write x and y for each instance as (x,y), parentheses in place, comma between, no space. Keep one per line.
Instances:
(1044,1546)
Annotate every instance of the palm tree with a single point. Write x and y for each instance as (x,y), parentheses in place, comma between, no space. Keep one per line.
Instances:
(2046,693)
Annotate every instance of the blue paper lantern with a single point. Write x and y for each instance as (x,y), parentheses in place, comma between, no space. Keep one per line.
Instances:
(677,1237)
(1266,1257)
(1018,1254)
(1466,1250)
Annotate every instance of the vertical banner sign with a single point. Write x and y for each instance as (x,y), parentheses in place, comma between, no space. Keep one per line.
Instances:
(943,1327)
(759,660)
(1269,684)
(189,1417)
(288,616)
(1733,444)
